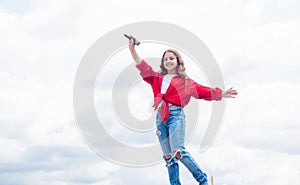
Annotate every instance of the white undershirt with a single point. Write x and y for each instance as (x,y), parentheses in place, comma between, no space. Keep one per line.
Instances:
(165,84)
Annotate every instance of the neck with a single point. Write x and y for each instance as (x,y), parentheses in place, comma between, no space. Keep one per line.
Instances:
(173,72)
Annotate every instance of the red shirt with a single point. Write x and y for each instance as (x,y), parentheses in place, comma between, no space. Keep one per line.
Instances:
(177,93)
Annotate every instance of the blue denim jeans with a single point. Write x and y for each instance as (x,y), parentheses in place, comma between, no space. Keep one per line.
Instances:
(171,138)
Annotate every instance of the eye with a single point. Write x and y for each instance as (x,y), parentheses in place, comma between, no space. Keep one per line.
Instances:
(170,58)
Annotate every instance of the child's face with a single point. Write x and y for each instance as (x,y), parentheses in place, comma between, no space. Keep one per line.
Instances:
(170,62)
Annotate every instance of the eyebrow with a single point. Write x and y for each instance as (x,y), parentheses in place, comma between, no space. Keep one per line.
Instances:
(169,56)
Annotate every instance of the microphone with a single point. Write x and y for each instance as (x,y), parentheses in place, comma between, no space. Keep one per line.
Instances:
(136,42)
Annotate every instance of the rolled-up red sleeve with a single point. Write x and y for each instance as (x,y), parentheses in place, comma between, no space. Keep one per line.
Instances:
(202,92)
(146,72)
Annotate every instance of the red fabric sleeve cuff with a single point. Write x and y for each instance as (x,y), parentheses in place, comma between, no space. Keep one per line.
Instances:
(217,93)
(143,66)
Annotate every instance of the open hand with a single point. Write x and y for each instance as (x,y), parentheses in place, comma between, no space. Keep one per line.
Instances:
(230,93)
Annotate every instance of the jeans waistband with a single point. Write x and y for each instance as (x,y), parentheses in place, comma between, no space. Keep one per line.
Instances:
(172,106)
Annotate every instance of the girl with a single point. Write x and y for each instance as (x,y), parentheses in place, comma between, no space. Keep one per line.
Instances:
(172,91)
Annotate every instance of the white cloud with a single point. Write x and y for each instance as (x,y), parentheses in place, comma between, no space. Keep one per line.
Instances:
(235,164)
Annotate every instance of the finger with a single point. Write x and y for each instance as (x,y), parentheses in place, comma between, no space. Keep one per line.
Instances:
(228,90)
(234,92)
(131,41)
(229,96)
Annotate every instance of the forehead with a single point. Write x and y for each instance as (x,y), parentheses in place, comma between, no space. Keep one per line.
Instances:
(169,54)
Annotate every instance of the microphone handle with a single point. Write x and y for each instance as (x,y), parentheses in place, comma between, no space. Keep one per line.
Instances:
(136,42)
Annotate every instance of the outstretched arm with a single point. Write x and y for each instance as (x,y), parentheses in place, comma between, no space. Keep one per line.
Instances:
(207,93)
(133,52)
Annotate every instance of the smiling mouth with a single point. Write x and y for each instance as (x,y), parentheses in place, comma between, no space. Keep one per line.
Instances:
(169,65)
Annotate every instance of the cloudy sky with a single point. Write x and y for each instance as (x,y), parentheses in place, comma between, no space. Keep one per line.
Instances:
(256,44)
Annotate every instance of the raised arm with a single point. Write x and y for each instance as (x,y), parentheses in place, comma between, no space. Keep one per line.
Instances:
(146,70)
(133,52)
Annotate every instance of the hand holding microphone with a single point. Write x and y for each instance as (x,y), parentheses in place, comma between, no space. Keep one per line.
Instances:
(132,42)
(136,42)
